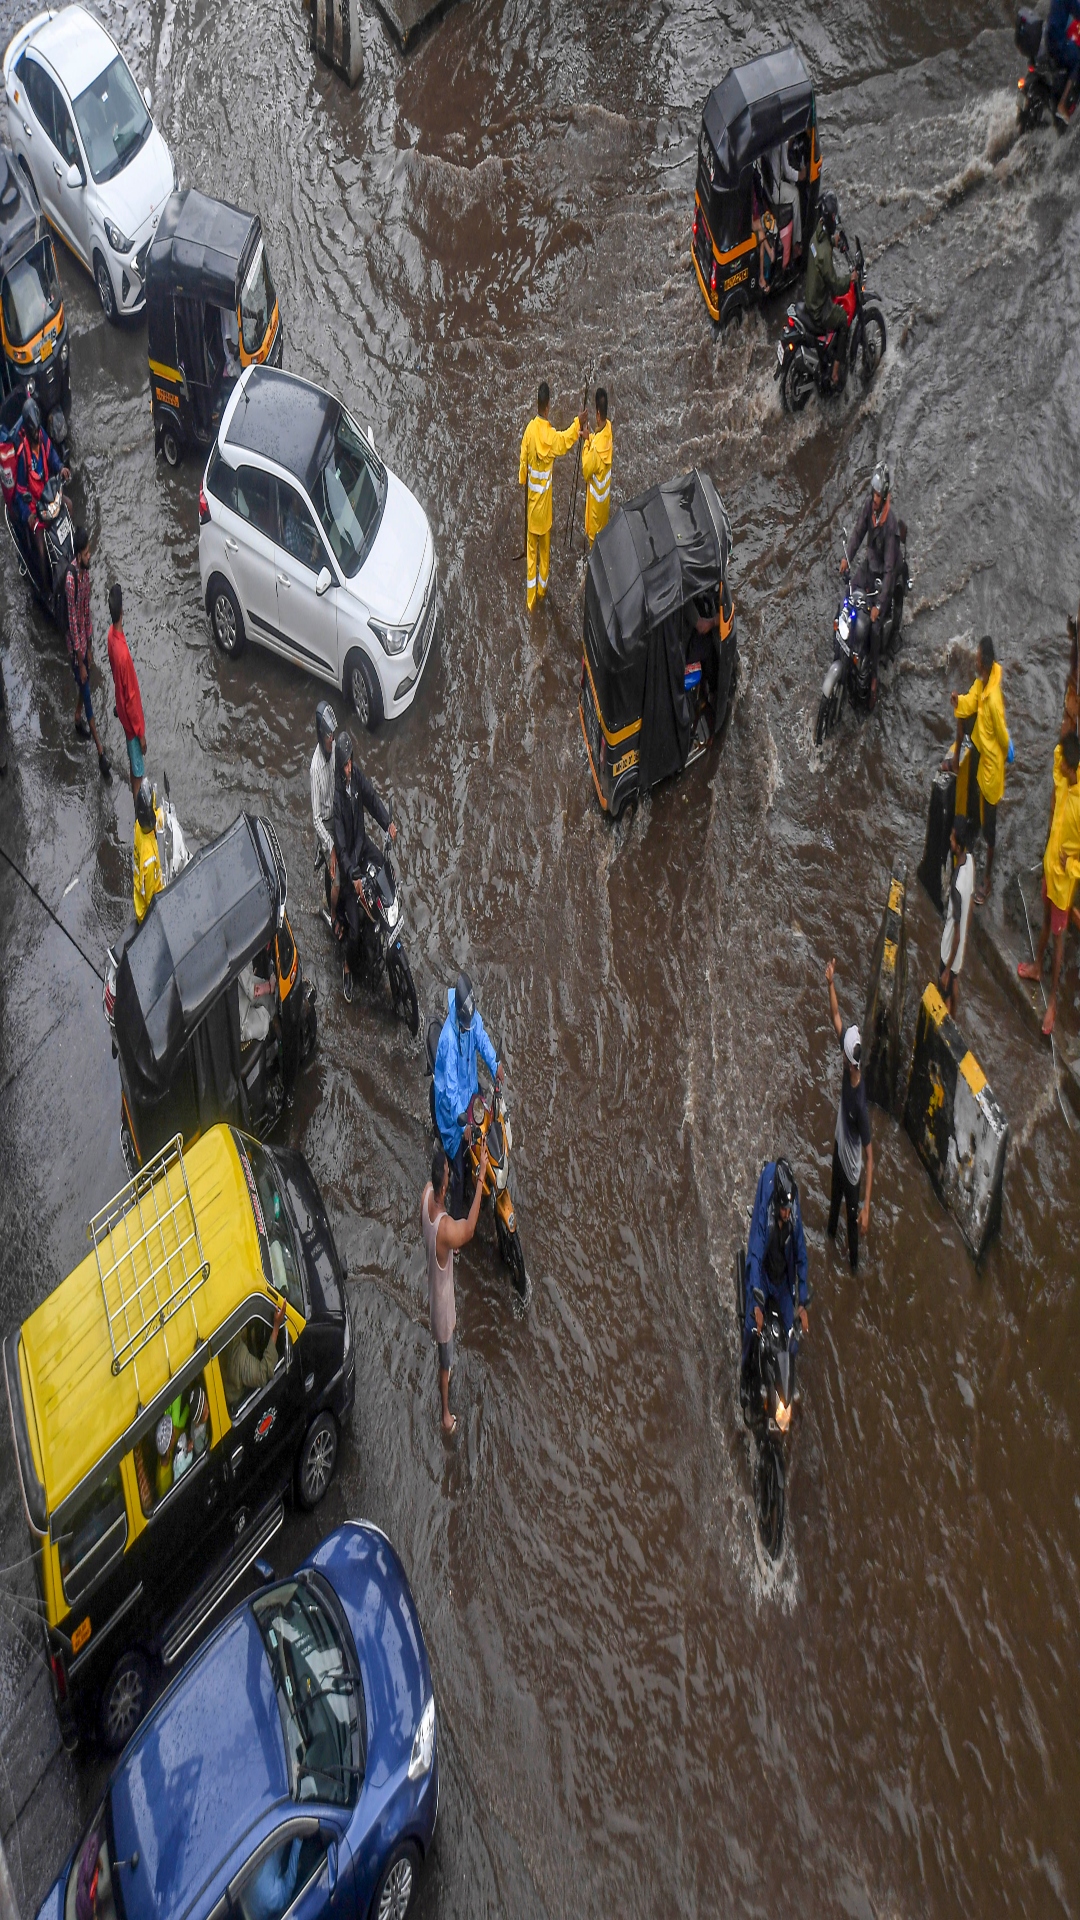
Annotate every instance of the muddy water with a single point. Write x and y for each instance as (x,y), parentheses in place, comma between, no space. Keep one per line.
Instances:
(638,1715)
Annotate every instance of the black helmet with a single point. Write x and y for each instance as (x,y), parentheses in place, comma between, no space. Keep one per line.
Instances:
(343,751)
(881,481)
(325,725)
(784,1188)
(829,208)
(464,1002)
(144,805)
(31,414)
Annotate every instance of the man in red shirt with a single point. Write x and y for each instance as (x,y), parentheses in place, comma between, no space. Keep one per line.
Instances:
(126,685)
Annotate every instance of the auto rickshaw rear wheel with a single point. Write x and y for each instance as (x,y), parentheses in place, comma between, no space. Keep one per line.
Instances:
(362,690)
(318,1457)
(124,1700)
(170,444)
(226,619)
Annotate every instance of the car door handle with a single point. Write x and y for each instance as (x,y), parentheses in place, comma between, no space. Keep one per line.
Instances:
(231,546)
(283,580)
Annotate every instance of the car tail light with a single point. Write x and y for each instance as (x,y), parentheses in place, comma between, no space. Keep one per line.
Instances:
(204,507)
(56,1663)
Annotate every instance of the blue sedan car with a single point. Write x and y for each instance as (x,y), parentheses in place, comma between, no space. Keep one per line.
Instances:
(291,1769)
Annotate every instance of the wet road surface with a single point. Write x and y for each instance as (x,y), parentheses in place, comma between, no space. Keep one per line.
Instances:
(637,1714)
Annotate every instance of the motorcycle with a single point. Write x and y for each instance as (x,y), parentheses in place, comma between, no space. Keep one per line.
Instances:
(849,671)
(769,1397)
(488,1122)
(54,512)
(804,357)
(174,856)
(1044,83)
(380,949)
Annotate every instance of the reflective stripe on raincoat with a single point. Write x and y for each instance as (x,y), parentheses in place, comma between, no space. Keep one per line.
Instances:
(541,446)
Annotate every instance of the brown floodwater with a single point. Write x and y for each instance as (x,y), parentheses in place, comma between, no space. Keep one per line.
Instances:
(639,1715)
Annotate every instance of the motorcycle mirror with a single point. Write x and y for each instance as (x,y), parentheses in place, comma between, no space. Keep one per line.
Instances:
(75,177)
(324,582)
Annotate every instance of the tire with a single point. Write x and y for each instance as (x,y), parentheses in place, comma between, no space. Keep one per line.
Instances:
(124,1701)
(769,1491)
(127,1148)
(872,344)
(170,444)
(318,1458)
(403,988)
(226,619)
(515,1260)
(362,690)
(104,285)
(797,383)
(824,720)
(397,1884)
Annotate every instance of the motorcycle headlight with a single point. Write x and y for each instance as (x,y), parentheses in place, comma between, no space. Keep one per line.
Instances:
(393,913)
(423,1746)
(392,640)
(783,1415)
(118,241)
(845,626)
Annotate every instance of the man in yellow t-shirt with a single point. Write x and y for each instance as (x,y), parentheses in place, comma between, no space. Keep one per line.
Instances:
(147,863)
(541,446)
(1061,870)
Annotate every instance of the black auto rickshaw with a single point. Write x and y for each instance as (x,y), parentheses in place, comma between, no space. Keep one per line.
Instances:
(32,326)
(760,116)
(198,1037)
(661,655)
(211,309)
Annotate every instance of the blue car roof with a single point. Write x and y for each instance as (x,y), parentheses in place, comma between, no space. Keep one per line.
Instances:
(207,1766)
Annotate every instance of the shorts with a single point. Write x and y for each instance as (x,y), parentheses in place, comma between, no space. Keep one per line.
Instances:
(84,688)
(446,1354)
(988,820)
(1059,916)
(135,759)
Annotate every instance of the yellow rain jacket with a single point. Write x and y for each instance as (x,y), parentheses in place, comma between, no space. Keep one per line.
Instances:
(989,734)
(147,870)
(596,471)
(1064,839)
(541,446)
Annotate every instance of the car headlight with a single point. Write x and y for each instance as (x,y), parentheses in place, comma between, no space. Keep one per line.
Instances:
(117,240)
(64,353)
(423,1746)
(392,640)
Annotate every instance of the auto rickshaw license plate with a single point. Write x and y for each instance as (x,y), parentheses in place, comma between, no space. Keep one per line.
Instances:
(47,347)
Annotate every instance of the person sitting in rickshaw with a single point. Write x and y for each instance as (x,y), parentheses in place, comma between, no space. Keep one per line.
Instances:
(790,171)
(256,1004)
(763,223)
(243,1371)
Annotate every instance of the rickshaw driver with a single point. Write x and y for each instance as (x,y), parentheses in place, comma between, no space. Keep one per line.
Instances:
(825,282)
(790,170)
(457,1080)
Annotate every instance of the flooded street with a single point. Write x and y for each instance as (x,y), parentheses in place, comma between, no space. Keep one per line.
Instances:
(638,1715)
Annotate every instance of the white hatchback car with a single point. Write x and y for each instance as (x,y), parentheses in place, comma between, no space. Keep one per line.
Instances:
(311,547)
(83,131)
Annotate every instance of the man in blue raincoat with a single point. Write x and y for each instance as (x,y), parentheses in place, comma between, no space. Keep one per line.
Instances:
(775,1254)
(456,1080)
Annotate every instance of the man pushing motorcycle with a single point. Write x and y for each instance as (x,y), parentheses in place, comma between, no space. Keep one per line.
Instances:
(457,1080)
(775,1258)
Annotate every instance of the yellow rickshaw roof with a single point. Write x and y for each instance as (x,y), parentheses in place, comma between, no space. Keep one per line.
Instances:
(77,1406)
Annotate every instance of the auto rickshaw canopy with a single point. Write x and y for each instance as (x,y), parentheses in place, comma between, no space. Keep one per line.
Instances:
(221,910)
(753,110)
(657,556)
(77,1406)
(202,249)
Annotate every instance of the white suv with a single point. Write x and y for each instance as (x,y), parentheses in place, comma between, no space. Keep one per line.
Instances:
(83,131)
(311,547)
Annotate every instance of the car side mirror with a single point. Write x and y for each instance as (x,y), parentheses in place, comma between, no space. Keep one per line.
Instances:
(148,97)
(75,177)
(324,582)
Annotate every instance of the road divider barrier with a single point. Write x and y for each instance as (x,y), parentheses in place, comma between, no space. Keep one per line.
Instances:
(884,1017)
(958,1129)
(335,36)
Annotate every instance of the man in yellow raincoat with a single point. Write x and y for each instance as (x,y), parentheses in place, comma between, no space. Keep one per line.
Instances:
(991,745)
(1061,870)
(541,446)
(596,470)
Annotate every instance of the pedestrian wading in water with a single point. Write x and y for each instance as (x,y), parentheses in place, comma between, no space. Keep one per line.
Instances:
(442,1239)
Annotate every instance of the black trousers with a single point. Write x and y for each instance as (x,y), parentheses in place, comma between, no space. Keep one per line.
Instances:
(864,576)
(848,1191)
(455,1192)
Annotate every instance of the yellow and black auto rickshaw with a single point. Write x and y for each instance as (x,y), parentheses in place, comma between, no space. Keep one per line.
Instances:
(759,164)
(211,309)
(32,326)
(661,656)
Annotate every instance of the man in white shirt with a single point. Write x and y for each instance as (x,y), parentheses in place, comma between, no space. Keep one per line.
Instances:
(322,794)
(957,915)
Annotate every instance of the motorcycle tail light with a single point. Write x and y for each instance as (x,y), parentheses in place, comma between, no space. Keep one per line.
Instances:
(204,508)
(712,278)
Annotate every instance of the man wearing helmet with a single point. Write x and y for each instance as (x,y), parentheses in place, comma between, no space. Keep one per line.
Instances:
(825,282)
(147,863)
(38,460)
(322,793)
(877,525)
(457,1080)
(852,1135)
(775,1256)
(353,792)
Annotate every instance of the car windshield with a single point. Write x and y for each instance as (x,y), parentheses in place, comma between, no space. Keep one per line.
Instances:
(112,119)
(257,299)
(320,1693)
(276,1226)
(349,496)
(31,294)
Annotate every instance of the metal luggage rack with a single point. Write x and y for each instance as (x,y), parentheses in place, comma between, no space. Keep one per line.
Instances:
(149,1256)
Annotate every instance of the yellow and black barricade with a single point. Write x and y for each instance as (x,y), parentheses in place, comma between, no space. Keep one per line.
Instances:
(958,1129)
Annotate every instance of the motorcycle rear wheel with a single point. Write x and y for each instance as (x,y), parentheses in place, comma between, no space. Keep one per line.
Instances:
(796,385)
(769,1493)
(872,344)
(403,988)
(824,720)
(511,1253)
